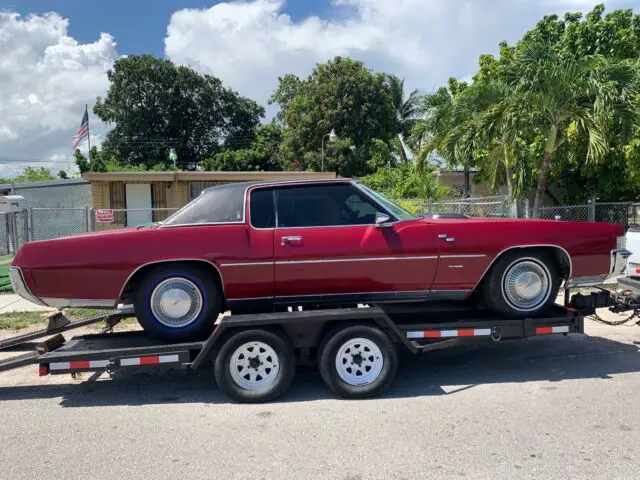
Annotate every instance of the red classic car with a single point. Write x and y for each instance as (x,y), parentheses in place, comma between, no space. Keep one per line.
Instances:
(260,246)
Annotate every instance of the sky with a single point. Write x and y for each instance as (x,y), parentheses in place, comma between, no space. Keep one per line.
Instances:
(54,54)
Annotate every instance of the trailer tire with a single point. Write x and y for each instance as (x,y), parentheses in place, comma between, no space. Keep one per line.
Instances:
(254,379)
(374,355)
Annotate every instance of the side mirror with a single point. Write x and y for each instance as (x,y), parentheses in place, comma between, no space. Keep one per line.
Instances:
(382,220)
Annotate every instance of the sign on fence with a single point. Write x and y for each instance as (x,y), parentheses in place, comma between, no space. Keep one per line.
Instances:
(104,216)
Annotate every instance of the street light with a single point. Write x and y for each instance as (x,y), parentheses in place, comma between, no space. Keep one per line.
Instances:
(173,156)
(333,138)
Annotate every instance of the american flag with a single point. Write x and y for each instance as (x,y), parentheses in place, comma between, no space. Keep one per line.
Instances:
(83,131)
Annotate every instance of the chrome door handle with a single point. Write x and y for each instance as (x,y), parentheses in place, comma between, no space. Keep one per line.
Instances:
(292,240)
(442,235)
(449,239)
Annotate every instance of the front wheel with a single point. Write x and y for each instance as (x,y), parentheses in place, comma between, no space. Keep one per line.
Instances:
(357,361)
(522,284)
(178,302)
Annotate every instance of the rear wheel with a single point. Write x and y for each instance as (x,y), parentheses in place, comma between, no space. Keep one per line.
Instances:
(176,302)
(357,361)
(522,284)
(255,366)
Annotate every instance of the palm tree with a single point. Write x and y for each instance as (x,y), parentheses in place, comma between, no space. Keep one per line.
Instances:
(500,127)
(443,127)
(405,111)
(591,92)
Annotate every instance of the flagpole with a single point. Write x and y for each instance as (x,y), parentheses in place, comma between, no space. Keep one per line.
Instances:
(86,108)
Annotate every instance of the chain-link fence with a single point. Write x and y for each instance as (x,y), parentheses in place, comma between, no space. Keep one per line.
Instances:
(53,209)
(624,213)
(497,206)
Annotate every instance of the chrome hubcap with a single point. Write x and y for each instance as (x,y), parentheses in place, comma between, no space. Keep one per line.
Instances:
(254,366)
(359,361)
(526,284)
(176,302)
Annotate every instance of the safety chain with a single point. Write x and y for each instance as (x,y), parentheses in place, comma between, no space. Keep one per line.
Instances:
(614,323)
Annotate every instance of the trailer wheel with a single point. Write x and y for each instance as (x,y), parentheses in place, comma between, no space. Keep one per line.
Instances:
(255,366)
(357,361)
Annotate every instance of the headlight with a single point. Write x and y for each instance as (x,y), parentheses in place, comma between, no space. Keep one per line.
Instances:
(621,242)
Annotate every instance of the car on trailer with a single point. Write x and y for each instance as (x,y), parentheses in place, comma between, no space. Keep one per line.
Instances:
(260,247)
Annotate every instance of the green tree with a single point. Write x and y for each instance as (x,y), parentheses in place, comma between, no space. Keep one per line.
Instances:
(30,174)
(568,108)
(591,93)
(405,181)
(81,162)
(405,109)
(263,154)
(344,95)
(63,175)
(442,127)
(288,87)
(154,105)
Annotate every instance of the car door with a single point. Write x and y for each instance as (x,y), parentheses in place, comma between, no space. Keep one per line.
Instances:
(327,245)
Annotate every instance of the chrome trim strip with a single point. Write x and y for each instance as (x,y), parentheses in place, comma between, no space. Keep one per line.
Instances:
(60,303)
(199,224)
(588,281)
(20,286)
(524,246)
(368,259)
(475,255)
(170,260)
(423,293)
(245,264)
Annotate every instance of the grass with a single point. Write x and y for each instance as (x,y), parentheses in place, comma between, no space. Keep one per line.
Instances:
(5,283)
(18,320)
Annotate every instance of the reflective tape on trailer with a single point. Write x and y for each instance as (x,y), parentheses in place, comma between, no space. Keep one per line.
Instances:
(547,330)
(461,332)
(130,362)
(125,362)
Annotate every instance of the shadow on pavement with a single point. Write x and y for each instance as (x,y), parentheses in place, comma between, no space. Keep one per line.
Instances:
(441,372)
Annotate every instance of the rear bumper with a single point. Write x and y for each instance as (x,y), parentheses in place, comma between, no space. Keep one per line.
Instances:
(617,267)
(20,287)
(619,261)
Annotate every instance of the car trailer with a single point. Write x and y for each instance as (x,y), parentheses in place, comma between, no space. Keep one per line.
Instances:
(255,355)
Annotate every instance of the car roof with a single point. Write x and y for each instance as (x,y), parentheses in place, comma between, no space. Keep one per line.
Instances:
(270,183)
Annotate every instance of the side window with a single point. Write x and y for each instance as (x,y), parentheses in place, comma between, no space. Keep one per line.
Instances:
(262,211)
(324,205)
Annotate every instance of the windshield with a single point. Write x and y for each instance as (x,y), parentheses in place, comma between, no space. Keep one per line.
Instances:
(222,204)
(396,211)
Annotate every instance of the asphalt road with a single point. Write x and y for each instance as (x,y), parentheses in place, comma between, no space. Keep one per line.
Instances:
(544,408)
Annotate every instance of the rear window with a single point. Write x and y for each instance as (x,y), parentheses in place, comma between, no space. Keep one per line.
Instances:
(223,204)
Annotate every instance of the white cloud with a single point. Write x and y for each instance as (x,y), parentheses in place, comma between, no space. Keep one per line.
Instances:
(249,44)
(46,78)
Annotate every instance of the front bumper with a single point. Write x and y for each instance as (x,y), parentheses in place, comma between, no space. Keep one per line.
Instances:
(20,287)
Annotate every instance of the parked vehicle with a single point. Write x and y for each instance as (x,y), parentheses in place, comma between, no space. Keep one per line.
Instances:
(255,247)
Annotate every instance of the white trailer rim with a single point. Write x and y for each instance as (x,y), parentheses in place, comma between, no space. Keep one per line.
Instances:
(359,361)
(254,366)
